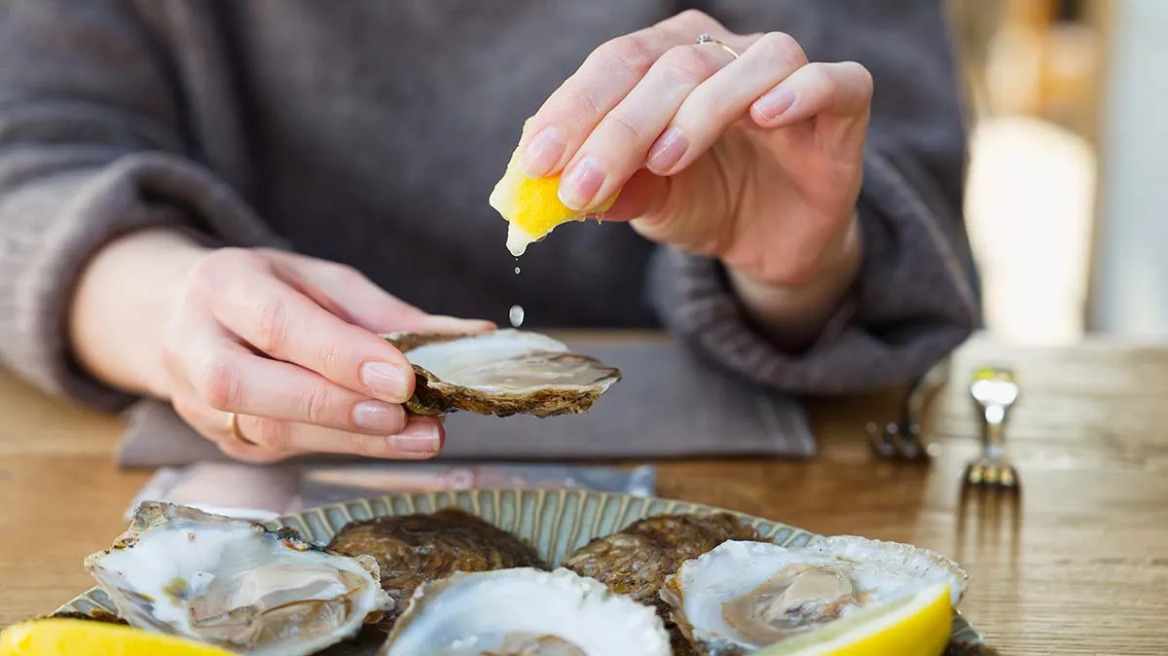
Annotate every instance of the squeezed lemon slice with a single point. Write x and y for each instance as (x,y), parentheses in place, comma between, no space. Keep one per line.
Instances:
(916,625)
(65,637)
(532,206)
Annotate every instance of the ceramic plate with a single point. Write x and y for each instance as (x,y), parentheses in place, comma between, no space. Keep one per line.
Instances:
(555,521)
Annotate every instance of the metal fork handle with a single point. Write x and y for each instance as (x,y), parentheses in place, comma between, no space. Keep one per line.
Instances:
(993,433)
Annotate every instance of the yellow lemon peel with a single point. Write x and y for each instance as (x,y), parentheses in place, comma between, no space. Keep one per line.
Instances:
(70,637)
(532,206)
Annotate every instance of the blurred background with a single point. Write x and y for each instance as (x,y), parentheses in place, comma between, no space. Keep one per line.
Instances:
(1068,184)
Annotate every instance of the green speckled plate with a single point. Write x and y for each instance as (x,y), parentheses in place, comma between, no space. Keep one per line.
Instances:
(555,521)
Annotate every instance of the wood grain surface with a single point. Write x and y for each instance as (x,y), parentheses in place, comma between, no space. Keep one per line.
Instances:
(1078,565)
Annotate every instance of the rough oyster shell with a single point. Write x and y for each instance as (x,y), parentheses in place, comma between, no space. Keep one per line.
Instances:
(525,611)
(235,584)
(502,373)
(636,560)
(412,549)
(742,596)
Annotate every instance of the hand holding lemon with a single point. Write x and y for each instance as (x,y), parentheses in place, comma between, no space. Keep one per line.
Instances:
(754,159)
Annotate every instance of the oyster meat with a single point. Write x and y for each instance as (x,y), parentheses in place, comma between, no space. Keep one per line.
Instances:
(743,596)
(235,584)
(502,373)
(524,612)
(412,549)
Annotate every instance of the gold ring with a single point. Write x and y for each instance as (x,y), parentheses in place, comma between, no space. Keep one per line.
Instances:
(706,38)
(233,428)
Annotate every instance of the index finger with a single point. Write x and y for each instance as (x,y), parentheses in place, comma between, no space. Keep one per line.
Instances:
(572,112)
(282,322)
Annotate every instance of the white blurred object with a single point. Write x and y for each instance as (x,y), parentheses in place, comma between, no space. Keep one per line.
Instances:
(1030,199)
(1130,294)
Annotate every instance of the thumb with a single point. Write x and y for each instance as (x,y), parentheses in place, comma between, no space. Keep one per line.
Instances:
(679,210)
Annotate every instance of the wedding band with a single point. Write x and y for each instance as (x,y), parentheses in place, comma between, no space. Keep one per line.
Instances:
(706,38)
(233,428)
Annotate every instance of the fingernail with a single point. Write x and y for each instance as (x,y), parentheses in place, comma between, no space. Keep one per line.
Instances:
(668,150)
(581,182)
(422,438)
(387,380)
(542,153)
(774,103)
(377,416)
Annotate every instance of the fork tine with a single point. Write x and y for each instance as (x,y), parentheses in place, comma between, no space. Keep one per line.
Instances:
(974,475)
(993,472)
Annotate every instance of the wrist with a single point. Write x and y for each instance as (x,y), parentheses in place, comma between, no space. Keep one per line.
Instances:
(122,303)
(794,315)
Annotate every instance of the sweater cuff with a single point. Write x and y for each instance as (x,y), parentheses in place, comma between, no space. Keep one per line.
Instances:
(53,224)
(910,305)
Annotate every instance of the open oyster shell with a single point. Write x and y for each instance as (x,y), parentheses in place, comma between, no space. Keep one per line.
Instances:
(501,373)
(412,549)
(235,584)
(636,560)
(743,596)
(516,612)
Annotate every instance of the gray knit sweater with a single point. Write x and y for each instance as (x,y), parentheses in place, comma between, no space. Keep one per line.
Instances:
(371,132)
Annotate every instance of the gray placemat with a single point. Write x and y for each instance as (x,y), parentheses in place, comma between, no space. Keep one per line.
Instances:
(669,404)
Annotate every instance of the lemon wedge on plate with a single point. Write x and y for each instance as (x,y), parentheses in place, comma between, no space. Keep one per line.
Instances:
(532,206)
(66,637)
(916,625)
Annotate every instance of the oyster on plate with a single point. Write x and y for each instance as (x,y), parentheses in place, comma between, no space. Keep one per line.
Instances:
(743,596)
(525,612)
(412,549)
(502,373)
(235,584)
(636,560)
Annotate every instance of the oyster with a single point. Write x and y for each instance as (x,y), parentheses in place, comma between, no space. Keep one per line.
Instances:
(525,612)
(235,584)
(412,549)
(502,373)
(743,596)
(636,560)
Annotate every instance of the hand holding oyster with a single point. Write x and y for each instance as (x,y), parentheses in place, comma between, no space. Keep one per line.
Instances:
(501,373)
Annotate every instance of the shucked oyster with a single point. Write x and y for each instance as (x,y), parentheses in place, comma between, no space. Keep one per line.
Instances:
(743,596)
(503,372)
(235,584)
(412,549)
(525,612)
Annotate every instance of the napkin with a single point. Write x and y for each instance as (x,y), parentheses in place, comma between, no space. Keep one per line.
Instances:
(670,403)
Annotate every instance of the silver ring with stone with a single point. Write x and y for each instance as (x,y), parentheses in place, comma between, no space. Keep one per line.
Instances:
(706,38)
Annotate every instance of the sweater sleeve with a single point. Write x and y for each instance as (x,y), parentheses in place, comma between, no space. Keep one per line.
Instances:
(91,147)
(915,297)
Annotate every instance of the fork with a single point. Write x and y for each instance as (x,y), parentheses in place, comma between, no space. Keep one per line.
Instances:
(903,440)
(995,391)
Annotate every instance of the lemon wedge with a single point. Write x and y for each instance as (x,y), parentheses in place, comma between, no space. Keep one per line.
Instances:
(916,625)
(532,206)
(66,637)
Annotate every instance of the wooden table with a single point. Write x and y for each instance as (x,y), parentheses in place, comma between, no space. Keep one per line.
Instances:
(1080,566)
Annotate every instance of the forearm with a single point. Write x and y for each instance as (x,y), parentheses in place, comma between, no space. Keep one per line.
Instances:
(121,305)
(794,316)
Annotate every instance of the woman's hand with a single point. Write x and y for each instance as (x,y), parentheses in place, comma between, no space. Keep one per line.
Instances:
(288,342)
(755,160)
